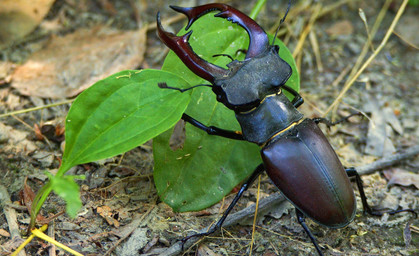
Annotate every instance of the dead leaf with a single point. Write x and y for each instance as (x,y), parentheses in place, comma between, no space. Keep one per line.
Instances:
(402,177)
(16,140)
(6,69)
(379,130)
(106,212)
(204,250)
(27,195)
(408,26)
(72,63)
(340,28)
(20,17)
(4,233)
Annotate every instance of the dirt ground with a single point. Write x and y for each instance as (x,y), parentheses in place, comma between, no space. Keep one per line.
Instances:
(121,213)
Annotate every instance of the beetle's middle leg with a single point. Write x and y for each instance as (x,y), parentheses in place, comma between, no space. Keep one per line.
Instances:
(220,222)
(213,130)
(367,208)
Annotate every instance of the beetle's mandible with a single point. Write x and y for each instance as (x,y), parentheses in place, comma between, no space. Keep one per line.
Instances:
(296,155)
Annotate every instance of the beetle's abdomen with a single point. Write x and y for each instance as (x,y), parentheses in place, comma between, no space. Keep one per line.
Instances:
(306,169)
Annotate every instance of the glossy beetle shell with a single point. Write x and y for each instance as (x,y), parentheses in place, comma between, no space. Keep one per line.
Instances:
(306,169)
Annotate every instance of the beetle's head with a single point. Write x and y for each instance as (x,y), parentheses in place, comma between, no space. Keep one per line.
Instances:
(244,84)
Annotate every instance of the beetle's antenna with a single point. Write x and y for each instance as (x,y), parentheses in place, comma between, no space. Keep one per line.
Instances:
(163,85)
(282,21)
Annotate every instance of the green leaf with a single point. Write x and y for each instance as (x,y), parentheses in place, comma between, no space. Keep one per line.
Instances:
(67,189)
(119,113)
(208,167)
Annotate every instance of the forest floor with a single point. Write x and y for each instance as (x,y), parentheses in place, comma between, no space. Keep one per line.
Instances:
(122,214)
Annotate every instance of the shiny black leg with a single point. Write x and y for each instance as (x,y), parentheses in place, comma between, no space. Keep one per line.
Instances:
(329,123)
(212,130)
(368,209)
(220,222)
(302,220)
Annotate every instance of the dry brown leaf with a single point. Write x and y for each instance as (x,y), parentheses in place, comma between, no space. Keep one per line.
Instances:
(340,28)
(28,195)
(6,69)
(4,233)
(20,17)
(408,26)
(16,140)
(204,250)
(72,63)
(106,212)
(402,177)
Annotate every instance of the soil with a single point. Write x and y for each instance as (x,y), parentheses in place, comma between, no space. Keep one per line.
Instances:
(121,212)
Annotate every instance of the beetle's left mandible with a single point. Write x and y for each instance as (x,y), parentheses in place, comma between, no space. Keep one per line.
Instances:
(179,44)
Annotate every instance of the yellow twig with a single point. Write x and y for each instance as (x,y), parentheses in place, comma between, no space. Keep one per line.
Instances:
(36,108)
(316,50)
(306,30)
(39,233)
(254,218)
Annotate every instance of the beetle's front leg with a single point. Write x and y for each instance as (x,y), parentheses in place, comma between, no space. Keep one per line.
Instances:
(367,208)
(298,100)
(213,130)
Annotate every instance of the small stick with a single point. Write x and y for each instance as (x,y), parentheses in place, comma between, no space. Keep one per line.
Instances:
(316,49)
(10,214)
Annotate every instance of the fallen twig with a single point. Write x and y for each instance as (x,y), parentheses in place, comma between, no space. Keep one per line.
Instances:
(273,200)
(10,214)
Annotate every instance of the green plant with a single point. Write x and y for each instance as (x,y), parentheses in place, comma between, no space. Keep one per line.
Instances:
(129,104)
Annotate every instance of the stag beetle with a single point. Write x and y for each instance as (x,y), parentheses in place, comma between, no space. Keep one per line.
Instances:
(296,154)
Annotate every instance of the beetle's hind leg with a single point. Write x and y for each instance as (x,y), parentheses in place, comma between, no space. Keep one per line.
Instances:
(367,208)
(329,123)
(220,222)
(302,220)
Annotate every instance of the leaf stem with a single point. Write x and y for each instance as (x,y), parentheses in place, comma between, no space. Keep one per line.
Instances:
(255,11)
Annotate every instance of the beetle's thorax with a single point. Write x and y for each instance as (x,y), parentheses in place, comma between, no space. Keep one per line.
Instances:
(252,88)
(248,82)
(274,115)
